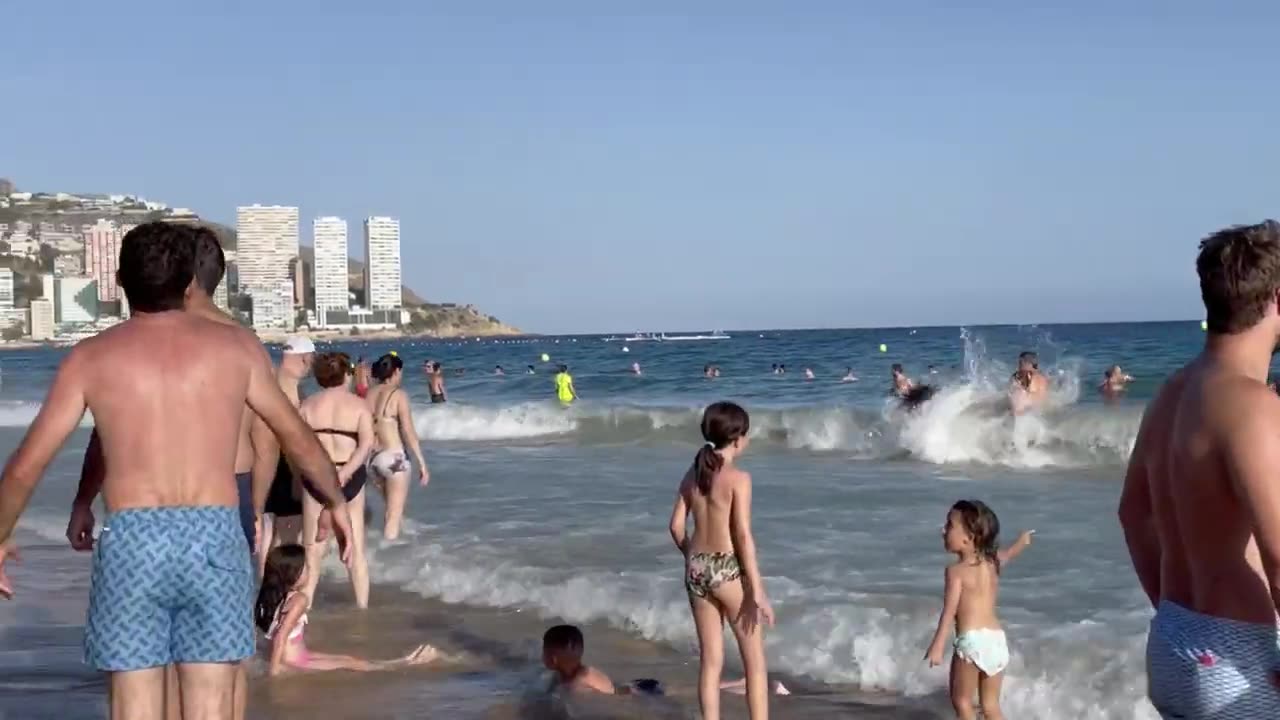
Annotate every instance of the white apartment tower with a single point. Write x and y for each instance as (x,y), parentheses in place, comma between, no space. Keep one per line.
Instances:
(267,244)
(382,263)
(329,238)
(6,287)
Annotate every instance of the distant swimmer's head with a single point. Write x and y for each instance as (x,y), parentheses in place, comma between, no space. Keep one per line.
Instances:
(157,266)
(332,369)
(725,426)
(562,648)
(387,367)
(285,571)
(1239,270)
(972,527)
(897,369)
(211,262)
(562,368)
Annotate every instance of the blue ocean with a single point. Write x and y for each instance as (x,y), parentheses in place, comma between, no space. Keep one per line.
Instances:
(537,514)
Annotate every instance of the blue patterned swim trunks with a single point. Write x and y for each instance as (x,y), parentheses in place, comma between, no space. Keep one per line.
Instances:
(1210,668)
(170,585)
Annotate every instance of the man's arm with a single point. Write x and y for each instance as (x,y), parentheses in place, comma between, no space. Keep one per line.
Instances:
(1136,517)
(59,416)
(93,471)
(296,439)
(266,456)
(1253,454)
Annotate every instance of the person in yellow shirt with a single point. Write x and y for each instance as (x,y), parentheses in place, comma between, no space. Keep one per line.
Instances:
(564,385)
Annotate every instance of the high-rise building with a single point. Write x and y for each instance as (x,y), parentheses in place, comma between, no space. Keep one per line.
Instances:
(267,244)
(382,263)
(43,324)
(47,287)
(102,256)
(329,238)
(6,287)
(76,300)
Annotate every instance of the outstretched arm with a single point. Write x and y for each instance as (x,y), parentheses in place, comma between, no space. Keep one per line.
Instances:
(59,416)
(1014,550)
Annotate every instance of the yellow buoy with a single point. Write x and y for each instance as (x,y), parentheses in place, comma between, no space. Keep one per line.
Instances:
(884,348)
(546,357)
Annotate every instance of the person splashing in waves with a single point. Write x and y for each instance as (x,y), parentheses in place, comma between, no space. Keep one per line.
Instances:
(972,583)
(565,391)
(1114,382)
(901,383)
(343,424)
(1200,506)
(721,573)
(281,614)
(393,425)
(1028,387)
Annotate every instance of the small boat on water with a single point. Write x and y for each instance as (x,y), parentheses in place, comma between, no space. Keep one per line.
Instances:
(663,337)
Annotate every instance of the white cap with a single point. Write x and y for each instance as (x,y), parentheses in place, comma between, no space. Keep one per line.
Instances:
(298,345)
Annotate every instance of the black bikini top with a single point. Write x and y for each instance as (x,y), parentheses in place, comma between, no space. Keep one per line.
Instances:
(346,433)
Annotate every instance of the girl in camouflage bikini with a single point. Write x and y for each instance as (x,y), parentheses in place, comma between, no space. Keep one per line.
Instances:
(721,573)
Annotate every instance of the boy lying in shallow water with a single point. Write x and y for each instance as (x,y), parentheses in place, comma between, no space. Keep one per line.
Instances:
(562,650)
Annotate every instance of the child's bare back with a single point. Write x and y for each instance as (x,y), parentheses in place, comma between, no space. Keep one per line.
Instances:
(979,587)
(713,511)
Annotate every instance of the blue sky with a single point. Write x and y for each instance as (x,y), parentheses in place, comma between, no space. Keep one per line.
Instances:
(598,166)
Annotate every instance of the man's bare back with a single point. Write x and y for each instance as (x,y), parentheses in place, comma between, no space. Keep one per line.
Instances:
(167,393)
(1204,425)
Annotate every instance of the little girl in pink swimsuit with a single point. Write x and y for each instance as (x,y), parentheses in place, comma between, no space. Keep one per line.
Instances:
(281,613)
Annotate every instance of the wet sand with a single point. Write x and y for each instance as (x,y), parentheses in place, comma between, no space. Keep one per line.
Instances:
(497,675)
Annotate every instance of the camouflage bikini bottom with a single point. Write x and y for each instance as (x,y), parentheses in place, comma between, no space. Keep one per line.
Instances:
(705,572)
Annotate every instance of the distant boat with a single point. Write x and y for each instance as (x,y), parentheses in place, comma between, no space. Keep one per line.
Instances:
(663,337)
(717,335)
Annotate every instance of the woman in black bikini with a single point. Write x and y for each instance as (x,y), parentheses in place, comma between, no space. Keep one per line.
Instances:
(344,426)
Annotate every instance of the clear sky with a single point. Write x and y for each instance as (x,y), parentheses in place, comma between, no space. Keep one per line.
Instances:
(600,166)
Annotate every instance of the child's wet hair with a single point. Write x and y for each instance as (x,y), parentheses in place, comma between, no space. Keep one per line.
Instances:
(564,639)
(983,526)
(722,424)
(285,565)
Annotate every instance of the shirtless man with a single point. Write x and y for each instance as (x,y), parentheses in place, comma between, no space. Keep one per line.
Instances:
(901,383)
(1201,502)
(436,381)
(1028,387)
(255,453)
(172,580)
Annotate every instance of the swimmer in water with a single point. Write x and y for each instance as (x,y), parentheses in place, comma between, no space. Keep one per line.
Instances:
(902,385)
(849,376)
(562,649)
(1028,388)
(1114,381)
(529,370)
(435,383)
(499,371)
(808,373)
(565,391)
(362,377)
(635,368)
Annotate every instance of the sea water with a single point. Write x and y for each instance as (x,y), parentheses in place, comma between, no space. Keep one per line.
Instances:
(537,513)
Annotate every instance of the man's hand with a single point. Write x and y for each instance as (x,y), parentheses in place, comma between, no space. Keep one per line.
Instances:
(341,520)
(8,551)
(80,528)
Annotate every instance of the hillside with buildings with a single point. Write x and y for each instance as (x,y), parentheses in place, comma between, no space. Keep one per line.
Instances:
(58,254)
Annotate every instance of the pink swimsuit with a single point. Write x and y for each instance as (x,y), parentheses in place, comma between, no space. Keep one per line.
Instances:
(299,651)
